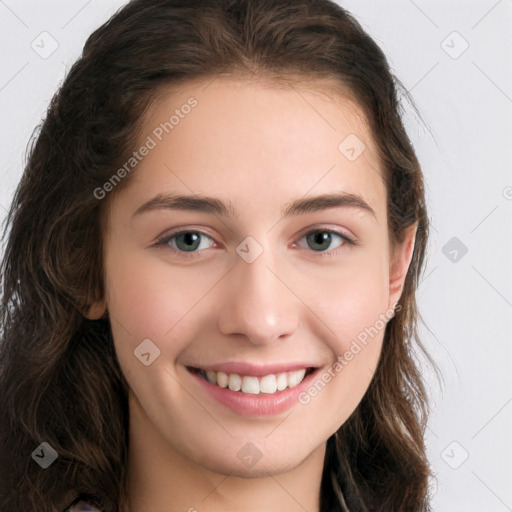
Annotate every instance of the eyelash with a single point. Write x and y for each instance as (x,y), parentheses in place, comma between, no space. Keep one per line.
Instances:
(164,241)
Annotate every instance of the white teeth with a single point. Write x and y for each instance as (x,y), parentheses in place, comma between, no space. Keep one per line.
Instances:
(295,378)
(268,384)
(282,381)
(235,382)
(250,385)
(222,379)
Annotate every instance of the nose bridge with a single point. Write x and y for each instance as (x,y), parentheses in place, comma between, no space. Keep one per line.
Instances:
(257,305)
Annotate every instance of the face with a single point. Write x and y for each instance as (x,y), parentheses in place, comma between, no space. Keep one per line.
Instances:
(252,282)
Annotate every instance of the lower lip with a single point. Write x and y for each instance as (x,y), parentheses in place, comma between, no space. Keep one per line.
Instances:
(246,404)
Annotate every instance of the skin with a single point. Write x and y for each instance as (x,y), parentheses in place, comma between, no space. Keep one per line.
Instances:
(292,303)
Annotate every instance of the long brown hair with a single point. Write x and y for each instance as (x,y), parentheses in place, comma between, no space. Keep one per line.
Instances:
(60,380)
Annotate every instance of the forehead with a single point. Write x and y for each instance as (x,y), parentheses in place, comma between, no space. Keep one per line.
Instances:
(246,138)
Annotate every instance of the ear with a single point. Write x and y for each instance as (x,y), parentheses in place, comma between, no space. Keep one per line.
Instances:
(399,265)
(97,310)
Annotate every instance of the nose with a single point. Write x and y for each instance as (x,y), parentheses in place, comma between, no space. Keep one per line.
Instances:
(258,302)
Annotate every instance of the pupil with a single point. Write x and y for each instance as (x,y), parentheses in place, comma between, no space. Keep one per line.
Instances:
(190,238)
(321,237)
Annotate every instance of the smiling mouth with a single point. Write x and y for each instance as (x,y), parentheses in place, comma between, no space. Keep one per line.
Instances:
(266,384)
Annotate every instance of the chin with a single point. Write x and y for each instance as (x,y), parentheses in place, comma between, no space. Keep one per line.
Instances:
(262,464)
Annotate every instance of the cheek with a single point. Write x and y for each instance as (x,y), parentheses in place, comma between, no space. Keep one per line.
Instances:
(349,297)
(355,308)
(359,306)
(147,300)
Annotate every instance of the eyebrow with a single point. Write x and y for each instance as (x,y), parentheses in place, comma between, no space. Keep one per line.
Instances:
(216,206)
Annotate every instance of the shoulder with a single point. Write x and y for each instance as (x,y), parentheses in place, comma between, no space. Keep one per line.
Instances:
(83,506)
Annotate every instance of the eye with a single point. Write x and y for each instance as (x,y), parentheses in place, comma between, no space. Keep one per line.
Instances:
(190,241)
(185,241)
(321,239)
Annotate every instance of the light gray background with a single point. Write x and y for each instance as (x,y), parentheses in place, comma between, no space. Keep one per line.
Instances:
(465,147)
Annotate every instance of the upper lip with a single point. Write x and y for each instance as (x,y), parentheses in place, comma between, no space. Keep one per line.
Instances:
(255,370)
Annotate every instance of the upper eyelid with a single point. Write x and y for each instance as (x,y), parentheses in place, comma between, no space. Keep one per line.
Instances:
(321,228)
(171,234)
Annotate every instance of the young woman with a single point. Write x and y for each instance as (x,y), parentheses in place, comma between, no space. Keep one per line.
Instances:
(210,272)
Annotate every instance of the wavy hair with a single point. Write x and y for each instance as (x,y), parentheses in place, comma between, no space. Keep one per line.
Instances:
(60,380)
